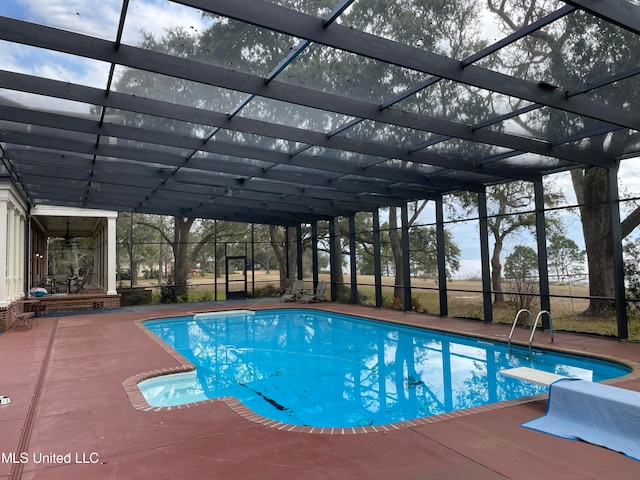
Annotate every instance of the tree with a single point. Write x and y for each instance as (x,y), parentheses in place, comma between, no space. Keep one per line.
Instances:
(185,253)
(521,269)
(452,31)
(511,211)
(510,198)
(565,257)
(575,52)
(424,254)
(137,246)
(287,258)
(422,246)
(632,270)
(264,254)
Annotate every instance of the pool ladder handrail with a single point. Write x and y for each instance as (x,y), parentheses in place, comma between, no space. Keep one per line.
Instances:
(515,321)
(532,328)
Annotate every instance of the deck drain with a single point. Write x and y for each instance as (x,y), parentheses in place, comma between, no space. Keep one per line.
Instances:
(4,400)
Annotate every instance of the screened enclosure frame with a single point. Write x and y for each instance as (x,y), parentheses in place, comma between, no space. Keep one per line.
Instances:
(118,149)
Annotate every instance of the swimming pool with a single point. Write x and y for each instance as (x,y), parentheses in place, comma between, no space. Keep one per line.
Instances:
(322,369)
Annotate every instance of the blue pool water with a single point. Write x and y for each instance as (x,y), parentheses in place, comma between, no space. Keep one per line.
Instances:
(321,369)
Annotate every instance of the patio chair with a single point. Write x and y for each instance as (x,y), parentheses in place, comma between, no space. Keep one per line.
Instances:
(317,296)
(294,292)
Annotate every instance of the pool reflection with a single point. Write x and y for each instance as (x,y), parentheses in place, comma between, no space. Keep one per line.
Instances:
(329,370)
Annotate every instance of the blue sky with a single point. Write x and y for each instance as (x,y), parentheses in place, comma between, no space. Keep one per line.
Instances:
(82,16)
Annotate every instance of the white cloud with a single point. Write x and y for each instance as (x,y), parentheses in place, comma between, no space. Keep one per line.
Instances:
(157,17)
(80,16)
(87,17)
(100,19)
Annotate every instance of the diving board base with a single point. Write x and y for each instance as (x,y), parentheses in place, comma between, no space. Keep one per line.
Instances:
(527,374)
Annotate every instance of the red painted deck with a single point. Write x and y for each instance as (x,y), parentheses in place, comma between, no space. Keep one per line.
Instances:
(70,418)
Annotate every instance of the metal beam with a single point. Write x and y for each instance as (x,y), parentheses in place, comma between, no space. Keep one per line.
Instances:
(90,47)
(541,239)
(485,254)
(50,173)
(300,25)
(323,188)
(619,288)
(441,258)
(84,125)
(624,14)
(147,106)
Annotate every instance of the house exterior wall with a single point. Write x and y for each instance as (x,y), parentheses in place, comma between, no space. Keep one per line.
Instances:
(13,218)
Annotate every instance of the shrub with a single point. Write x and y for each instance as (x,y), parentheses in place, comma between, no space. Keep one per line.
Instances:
(268,291)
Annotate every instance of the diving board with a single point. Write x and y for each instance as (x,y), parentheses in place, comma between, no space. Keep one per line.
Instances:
(222,313)
(533,375)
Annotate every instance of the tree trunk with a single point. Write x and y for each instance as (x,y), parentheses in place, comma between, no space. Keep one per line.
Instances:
(292,253)
(278,250)
(181,256)
(133,272)
(160,262)
(338,275)
(591,190)
(496,271)
(396,249)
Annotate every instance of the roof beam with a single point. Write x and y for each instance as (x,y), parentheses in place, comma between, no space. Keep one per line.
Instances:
(84,125)
(90,47)
(300,25)
(134,173)
(624,14)
(305,185)
(133,103)
(46,188)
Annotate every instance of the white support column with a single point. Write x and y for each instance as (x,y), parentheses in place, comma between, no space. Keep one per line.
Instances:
(20,254)
(111,256)
(22,220)
(4,234)
(11,252)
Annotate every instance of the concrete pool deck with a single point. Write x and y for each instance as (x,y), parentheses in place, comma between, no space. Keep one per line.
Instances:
(71,418)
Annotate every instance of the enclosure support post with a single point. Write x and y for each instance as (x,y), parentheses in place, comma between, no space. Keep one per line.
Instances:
(299,250)
(105,282)
(352,259)
(377,262)
(442,258)
(332,259)
(253,261)
(406,265)
(543,268)
(618,262)
(484,257)
(314,252)
(215,259)
(286,253)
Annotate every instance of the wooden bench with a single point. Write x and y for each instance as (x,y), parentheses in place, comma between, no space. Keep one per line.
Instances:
(73,302)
